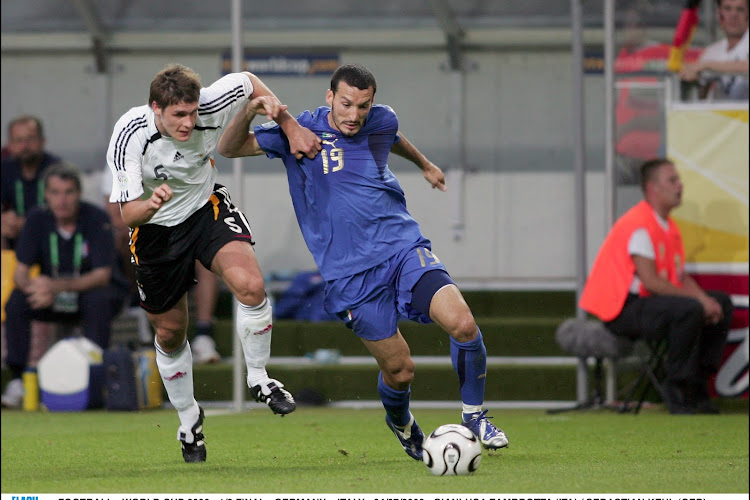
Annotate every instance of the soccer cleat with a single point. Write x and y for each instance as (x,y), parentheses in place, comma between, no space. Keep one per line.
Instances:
(410,436)
(194,450)
(203,348)
(491,437)
(13,395)
(279,400)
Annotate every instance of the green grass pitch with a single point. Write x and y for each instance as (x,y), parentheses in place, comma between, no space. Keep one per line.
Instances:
(337,450)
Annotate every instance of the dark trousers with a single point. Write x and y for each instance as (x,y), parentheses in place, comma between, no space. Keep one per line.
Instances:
(694,349)
(96,310)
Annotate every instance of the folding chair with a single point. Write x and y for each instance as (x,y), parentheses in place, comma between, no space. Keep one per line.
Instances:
(651,372)
(590,339)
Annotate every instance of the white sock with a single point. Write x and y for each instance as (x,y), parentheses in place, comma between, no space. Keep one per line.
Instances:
(469,409)
(176,370)
(254,326)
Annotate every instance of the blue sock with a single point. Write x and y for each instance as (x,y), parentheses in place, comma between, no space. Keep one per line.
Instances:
(396,403)
(470,362)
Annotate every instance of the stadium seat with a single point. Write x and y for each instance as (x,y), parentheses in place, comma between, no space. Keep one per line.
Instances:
(586,338)
(651,370)
(590,339)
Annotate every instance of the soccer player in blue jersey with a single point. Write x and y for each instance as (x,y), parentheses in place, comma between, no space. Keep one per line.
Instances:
(377,264)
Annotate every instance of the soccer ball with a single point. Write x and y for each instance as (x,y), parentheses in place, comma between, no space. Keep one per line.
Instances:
(452,450)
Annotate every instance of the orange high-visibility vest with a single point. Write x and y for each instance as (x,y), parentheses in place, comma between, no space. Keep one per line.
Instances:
(609,282)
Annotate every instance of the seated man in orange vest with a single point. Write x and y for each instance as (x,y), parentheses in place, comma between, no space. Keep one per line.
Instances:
(639,289)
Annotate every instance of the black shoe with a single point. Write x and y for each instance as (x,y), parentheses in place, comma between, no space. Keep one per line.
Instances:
(701,400)
(279,400)
(195,451)
(705,407)
(676,400)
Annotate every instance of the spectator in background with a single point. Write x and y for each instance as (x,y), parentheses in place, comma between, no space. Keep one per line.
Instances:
(639,288)
(728,55)
(639,113)
(22,172)
(205,295)
(72,242)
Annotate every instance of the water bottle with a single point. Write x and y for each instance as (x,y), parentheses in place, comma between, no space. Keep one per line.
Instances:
(30,390)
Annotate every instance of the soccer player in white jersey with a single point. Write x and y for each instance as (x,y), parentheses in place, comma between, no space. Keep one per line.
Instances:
(164,178)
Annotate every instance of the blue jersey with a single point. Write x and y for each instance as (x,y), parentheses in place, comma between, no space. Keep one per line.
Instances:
(349,205)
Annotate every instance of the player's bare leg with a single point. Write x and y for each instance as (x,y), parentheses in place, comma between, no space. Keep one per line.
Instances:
(205,293)
(395,377)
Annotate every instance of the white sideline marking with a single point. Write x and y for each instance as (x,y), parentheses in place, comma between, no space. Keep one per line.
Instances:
(215,408)
(431,360)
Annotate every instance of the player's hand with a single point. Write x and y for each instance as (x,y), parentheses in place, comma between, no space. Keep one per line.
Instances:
(304,142)
(434,176)
(160,196)
(266,105)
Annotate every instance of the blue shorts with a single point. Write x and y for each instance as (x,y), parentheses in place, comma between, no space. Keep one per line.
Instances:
(372,301)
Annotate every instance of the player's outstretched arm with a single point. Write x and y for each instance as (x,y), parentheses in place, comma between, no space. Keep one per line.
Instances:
(302,141)
(430,171)
(138,212)
(238,140)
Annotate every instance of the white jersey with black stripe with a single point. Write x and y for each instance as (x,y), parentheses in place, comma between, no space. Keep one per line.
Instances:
(141,159)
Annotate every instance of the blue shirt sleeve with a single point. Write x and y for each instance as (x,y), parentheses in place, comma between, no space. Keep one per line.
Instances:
(272,139)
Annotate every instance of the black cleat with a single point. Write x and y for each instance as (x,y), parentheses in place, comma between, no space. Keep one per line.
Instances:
(195,451)
(279,400)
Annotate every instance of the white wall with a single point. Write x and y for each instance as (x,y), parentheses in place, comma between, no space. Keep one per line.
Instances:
(519,207)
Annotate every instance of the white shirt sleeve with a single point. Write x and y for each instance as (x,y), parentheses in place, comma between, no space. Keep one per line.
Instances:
(125,155)
(640,244)
(219,100)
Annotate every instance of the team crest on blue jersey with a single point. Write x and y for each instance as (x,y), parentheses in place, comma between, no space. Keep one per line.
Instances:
(270,124)
(326,135)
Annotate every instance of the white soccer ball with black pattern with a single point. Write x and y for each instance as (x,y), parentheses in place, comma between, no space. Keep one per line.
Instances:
(452,450)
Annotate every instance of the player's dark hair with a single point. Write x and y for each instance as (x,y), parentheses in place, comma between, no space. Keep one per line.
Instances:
(174,84)
(354,75)
(65,171)
(649,169)
(27,118)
